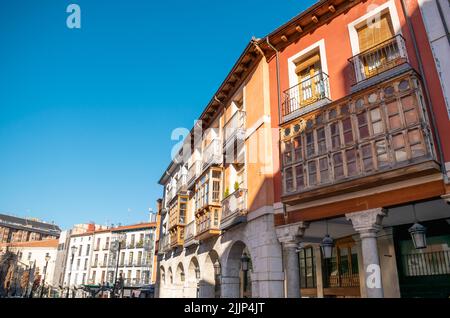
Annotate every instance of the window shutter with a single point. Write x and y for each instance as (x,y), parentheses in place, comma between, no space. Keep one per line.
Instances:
(309,61)
(373,34)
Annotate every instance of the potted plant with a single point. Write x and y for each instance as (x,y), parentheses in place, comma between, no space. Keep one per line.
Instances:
(226,193)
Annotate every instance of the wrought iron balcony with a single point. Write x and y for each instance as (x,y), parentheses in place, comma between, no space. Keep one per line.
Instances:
(234,129)
(189,234)
(380,58)
(380,134)
(306,96)
(212,154)
(234,209)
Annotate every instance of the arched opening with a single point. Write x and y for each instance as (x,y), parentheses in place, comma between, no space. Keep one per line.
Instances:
(237,281)
(179,279)
(210,285)
(192,289)
(162,281)
(170,276)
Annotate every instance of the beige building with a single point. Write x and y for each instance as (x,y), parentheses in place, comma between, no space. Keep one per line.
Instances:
(217,237)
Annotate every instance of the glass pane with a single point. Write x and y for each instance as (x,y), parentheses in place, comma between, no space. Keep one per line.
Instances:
(312,173)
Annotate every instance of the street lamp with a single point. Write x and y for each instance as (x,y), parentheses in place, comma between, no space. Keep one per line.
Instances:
(29,277)
(73,249)
(245,261)
(327,244)
(197,277)
(47,258)
(117,246)
(418,232)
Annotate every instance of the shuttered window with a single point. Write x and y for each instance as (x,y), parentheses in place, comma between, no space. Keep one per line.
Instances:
(374,33)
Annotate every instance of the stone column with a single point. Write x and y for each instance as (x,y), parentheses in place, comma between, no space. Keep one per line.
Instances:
(319,274)
(367,224)
(289,236)
(229,287)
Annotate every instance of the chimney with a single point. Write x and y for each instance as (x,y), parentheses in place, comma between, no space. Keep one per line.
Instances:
(91,227)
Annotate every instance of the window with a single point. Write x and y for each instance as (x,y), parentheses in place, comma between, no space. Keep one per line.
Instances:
(85,264)
(182,212)
(80,249)
(289,180)
(376,53)
(130,258)
(98,244)
(362,125)
(366,152)
(341,270)
(312,173)
(323,166)
(395,121)
(93,276)
(78,264)
(338,165)
(321,141)
(287,153)
(307,268)
(308,71)
(352,167)
(299,179)
(398,142)
(377,122)
(416,143)
(348,133)
(410,110)
(335,136)
(381,153)
(88,247)
(310,149)
(122,258)
(29,256)
(105,259)
(139,259)
(297,148)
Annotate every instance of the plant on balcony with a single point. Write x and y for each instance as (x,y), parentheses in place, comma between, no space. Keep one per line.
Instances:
(140,244)
(226,193)
(236,186)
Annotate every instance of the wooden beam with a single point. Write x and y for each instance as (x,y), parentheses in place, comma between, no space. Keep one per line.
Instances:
(315,19)
(332,8)
(299,29)
(404,195)
(284,38)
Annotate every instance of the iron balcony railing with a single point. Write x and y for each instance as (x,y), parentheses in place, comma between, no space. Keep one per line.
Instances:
(379,58)
(193,172)
(234,204)
(235,126)
(427,264)
(305,93)
(212,153)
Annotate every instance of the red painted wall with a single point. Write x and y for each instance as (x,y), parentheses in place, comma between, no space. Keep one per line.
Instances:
(338,50)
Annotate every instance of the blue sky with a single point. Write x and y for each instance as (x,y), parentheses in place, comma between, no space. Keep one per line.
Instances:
(86,115)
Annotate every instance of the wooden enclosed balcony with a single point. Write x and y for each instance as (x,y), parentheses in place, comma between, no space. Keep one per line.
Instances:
(234,209)
(208,223)
(194,171)
(176,236)
(375,137)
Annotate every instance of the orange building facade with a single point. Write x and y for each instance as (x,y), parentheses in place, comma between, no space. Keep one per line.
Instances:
(346,192)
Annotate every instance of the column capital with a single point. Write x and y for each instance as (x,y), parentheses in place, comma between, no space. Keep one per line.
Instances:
(290,234)
(368,221)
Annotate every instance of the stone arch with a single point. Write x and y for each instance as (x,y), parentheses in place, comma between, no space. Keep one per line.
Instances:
(191,289)
(236,282)
(170,273)
(210,282)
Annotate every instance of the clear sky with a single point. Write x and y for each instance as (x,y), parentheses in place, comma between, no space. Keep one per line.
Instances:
(86,114)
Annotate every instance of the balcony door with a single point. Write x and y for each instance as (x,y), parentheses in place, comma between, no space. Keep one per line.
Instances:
(377,52)
(308,72)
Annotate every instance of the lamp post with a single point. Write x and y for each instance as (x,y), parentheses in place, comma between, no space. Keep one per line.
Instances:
(418,232)
(245,260)
(47,258)
(327,245)
(29,278)
(197,277)
(217,273)
(73,250)
(117,247)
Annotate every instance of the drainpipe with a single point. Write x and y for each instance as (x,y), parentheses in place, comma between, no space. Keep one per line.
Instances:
(426,90)
(277,58)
